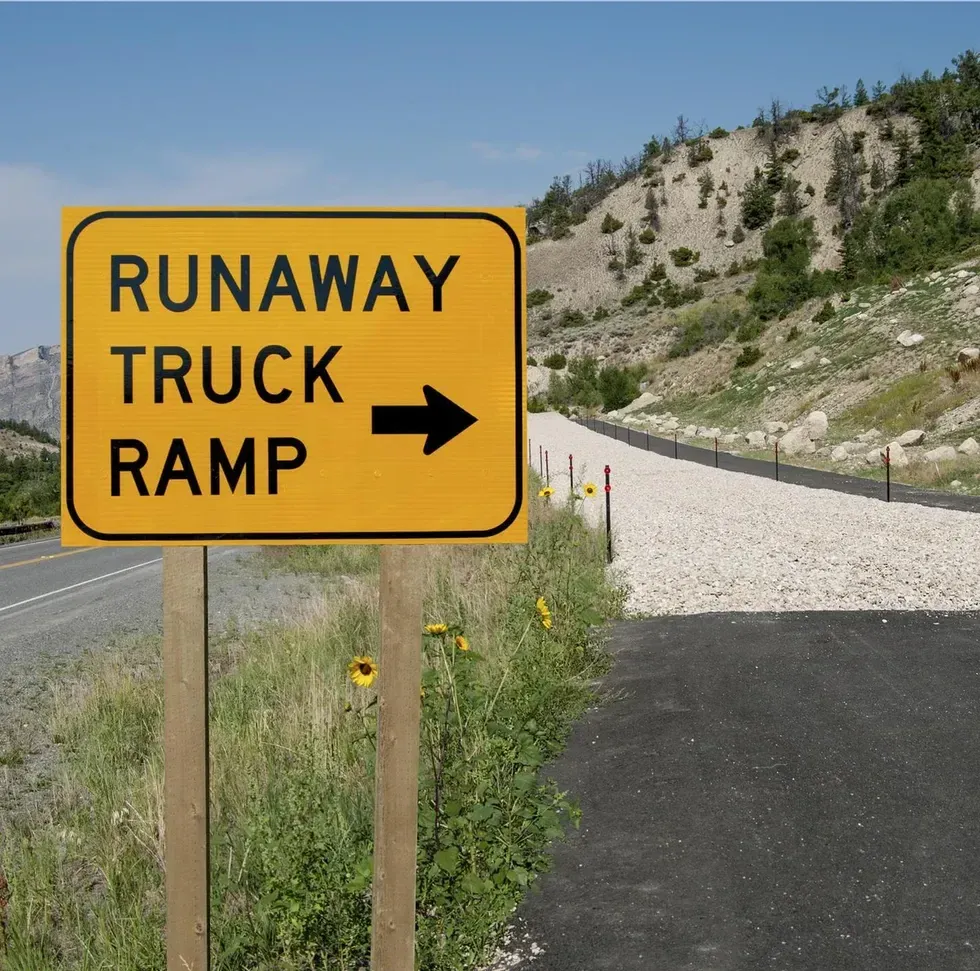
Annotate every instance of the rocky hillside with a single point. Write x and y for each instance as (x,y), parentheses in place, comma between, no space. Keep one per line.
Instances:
(615,265)
(575,269)
(14,444)
(30,388)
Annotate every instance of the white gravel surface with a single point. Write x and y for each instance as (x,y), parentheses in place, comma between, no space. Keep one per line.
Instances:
(692,539)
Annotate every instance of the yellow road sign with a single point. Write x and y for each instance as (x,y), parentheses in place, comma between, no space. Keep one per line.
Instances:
(293,376)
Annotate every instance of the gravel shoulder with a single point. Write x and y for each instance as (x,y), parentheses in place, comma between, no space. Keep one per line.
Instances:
(692,539)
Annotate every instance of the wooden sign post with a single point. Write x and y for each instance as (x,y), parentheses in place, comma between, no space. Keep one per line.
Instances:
(186,775)
(397,767)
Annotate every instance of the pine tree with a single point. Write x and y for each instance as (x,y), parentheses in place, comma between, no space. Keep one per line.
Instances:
(789,200)
(878,91)
(879,174)
(632,255)
(758,202)
(653,209)
(904,160)
(860,94)
(610,224)
(844,187)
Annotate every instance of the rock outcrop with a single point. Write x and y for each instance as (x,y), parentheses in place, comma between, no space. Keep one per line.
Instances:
(30,388)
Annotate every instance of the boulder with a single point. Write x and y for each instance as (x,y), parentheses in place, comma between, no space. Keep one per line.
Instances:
(840,454)
(537,380)
(968,354)
(873,457)
(729,439)
(908,339)
(855,448)
(795,365)
(797,442)
(962,274)
(825,361)
(972,290)
(775,427)
(970,447)
(816,425)
(690,431)
(896,455)
(708,432)
(671,425)
(944,453)
(756,440)
(914,436)
(645,399)
(871,435)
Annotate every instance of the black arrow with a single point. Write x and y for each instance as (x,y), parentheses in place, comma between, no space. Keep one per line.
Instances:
(439,419)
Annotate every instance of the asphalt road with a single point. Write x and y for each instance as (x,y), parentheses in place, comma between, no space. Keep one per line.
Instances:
(57,600)
(798,792)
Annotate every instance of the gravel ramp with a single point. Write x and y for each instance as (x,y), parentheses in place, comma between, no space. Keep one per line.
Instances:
(691,539)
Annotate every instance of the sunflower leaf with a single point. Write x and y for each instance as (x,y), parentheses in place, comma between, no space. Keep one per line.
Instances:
(592,617)
(447,859)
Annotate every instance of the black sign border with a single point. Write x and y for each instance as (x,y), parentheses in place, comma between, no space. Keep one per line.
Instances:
(205,538)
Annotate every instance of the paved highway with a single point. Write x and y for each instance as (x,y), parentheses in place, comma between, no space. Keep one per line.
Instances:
(57,600)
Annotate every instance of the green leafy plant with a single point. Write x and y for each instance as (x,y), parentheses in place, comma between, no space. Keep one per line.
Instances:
(539,297)
(825,313)
(610,224)
(683,256)
(750,355)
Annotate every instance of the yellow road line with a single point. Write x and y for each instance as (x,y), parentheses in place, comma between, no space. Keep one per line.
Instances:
(40,559)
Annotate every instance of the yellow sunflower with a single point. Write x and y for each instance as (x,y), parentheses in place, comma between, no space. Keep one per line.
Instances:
(436,628)
(547,492)
(544,612)
(363,671)
(462,643)
(590,489)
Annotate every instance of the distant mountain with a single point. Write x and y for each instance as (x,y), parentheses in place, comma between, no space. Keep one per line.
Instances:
(30,388)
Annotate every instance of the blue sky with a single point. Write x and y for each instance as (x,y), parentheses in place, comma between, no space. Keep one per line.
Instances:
(449,104)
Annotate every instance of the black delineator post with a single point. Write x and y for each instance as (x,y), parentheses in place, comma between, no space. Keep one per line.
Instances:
(888,473)
(675,445)
(777,460)
(608,518)
(540,460)
(629,436)
(571,475)
(547,471)
(716,453)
